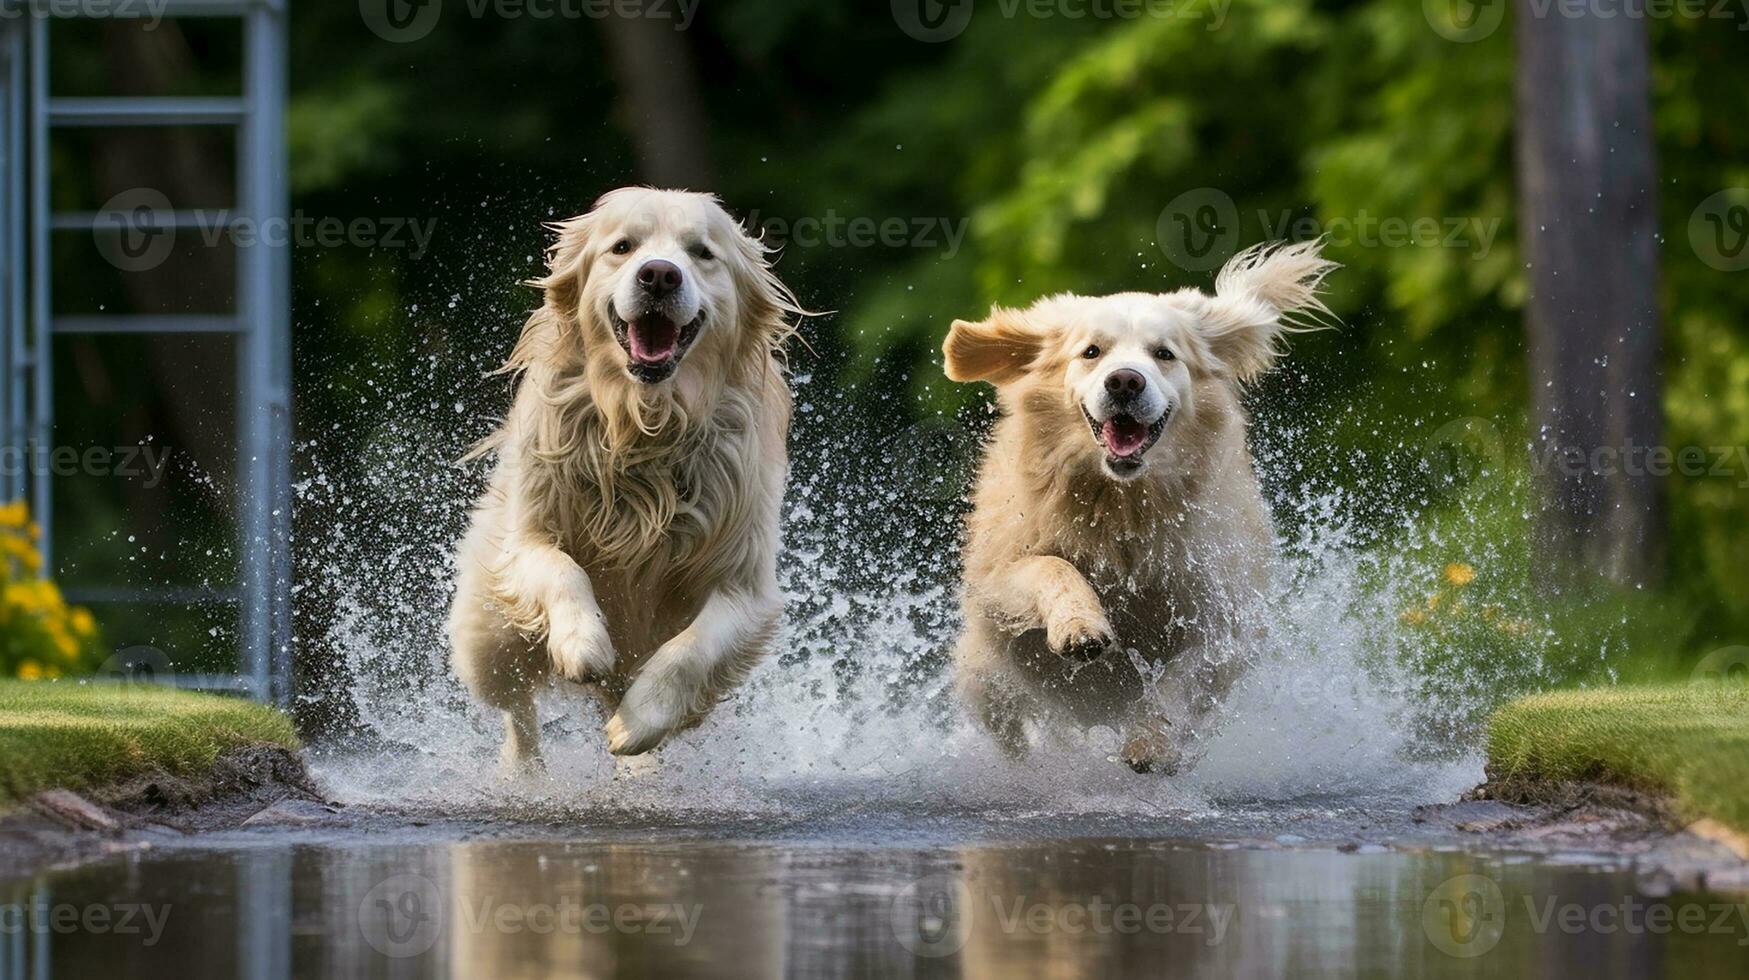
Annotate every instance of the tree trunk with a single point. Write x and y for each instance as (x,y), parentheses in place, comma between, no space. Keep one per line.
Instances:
(661,105)
(1588,221)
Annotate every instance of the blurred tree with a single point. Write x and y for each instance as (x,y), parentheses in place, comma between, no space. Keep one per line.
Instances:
(660,107)
(1588,199)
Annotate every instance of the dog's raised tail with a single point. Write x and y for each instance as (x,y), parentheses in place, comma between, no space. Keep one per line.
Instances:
(1287,277)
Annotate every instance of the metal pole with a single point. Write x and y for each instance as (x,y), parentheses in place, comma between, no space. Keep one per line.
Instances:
(8,174)
(42,350)
(264,297)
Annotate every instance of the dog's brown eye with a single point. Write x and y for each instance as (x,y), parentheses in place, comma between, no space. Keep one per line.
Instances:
(1091,352)
(1165,354)
(622,246)
(703,253)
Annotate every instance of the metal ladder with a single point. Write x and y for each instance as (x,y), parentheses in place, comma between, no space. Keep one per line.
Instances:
(260,320)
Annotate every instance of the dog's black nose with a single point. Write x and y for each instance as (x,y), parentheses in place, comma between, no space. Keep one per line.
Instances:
(659,276)
(1125,383)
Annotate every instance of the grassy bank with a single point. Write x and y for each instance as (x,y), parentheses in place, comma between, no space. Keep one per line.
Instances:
(1686,742)
(73,736)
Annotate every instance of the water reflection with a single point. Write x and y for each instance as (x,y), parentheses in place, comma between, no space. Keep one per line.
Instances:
(1062,909)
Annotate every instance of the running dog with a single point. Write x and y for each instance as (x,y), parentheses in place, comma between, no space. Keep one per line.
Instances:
(1118,540)
(628,537)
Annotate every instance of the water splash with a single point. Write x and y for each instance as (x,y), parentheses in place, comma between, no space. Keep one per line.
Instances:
(855,711)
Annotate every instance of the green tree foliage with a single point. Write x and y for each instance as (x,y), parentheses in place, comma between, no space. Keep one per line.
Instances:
(1059,143)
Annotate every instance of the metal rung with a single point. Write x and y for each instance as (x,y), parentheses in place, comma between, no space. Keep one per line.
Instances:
(156,9)
(149,323)
(203,218)
(151,595)
(145,112)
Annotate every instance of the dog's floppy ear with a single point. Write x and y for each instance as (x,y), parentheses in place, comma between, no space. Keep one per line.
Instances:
(997,350)
(1262,294)
(548,328)
(563,282)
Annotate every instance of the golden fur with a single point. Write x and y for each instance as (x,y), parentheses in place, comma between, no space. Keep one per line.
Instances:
(1148,576)
(629,533)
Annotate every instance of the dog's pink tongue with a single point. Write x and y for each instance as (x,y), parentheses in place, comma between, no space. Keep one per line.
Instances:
(652,338)
(1123,436)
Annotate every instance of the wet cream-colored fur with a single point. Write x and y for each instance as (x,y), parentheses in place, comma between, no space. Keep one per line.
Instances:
(1124,599)
(628,537)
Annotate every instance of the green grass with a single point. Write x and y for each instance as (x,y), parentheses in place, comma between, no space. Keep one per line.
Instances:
(1687,742)
(76,736)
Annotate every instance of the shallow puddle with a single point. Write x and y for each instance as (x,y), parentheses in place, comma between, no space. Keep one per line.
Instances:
(484,901)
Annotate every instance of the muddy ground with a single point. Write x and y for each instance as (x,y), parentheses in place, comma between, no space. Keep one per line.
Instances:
(266,791)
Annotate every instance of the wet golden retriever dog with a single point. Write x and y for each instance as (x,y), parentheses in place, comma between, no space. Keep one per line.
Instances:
(1118,533)
(627,540)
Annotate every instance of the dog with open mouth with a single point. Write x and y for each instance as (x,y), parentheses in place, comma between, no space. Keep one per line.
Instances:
(627,540)
(1118,543)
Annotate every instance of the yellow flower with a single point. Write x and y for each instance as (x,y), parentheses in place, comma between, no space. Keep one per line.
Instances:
(1460,574)
(64,644)
(1413,617)
(82,622)
(14,514)
(30,670)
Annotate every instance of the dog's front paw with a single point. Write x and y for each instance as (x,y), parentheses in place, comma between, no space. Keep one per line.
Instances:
(1151,752)
(652,709)
(1080,638)
(577,641)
